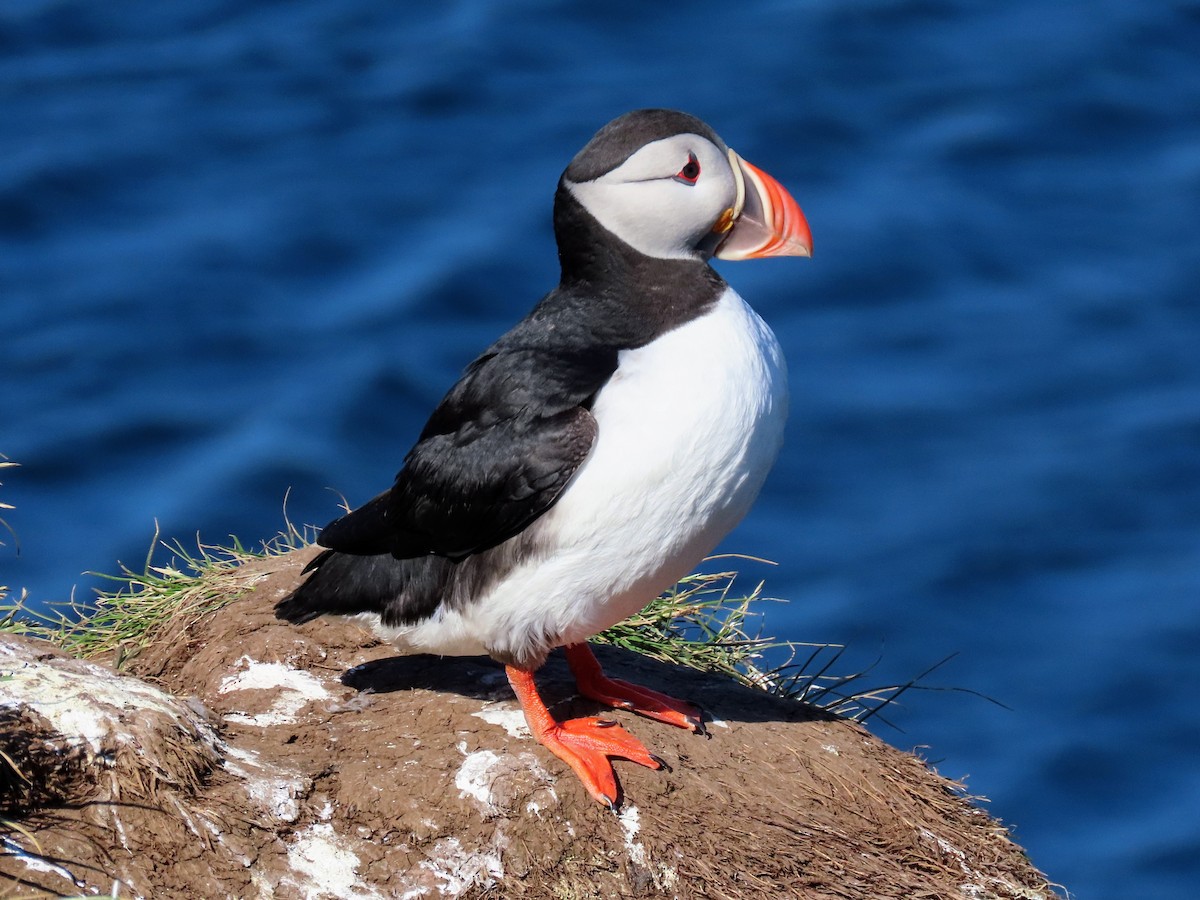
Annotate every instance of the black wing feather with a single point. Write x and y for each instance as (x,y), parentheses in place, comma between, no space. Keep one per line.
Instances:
(495,455)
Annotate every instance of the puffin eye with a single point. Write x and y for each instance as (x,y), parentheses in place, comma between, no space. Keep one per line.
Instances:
(690,172)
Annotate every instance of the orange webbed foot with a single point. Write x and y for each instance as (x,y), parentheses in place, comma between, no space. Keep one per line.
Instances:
(614,692)
(585,744)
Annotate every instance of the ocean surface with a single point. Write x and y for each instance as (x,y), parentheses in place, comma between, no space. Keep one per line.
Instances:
(246,246)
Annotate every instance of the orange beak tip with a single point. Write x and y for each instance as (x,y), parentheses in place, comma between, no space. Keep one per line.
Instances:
(770,223)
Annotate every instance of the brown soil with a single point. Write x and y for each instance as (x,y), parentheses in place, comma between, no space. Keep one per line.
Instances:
(311,762)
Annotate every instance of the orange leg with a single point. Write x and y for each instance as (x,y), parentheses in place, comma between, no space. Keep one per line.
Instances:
(613,692)
(583,744)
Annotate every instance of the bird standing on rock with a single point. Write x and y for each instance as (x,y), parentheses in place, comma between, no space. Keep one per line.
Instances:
(597,451)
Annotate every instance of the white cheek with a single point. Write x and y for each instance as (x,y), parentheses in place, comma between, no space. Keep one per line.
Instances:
(660,218)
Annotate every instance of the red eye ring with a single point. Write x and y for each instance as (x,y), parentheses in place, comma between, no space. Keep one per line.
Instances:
(690,172)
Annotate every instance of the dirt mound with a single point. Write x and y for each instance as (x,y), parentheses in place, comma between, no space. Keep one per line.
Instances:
(340,770)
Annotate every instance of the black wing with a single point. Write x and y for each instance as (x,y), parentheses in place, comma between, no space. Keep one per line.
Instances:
(495,455)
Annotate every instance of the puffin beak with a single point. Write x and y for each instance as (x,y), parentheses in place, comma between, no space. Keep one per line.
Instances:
(764,220)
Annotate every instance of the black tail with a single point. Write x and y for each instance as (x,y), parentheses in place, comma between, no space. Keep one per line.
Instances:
(308,601)
(339,584)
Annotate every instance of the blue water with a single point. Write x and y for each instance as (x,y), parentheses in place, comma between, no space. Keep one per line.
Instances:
(245,246)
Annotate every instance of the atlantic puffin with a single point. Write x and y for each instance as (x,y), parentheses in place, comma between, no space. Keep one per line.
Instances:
(597,451)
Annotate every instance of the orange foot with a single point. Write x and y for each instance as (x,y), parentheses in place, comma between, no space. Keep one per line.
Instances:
(613,692)
(584,744)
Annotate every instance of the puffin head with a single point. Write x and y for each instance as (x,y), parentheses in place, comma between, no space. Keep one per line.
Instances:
(664,183)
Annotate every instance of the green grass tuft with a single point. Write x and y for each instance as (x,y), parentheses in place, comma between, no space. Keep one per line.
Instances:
(705,624)
(122,622)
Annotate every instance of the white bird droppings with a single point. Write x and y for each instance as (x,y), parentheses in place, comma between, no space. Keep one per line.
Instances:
(86,703)
(35,862)
(329,867)
(457,869)
(296,687)
(631,824)
(511,720)
(665,877)
(474,779)
(272,788)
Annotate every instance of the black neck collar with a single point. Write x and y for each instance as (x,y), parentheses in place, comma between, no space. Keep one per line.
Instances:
(635,296)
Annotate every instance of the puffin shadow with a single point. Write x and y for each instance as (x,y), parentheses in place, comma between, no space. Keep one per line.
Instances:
(482,678)
(479,677)
(719,696)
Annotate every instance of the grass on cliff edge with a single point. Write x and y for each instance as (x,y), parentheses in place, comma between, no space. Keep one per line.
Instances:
(701,622)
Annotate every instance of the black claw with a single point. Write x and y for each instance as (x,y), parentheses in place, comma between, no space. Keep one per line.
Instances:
(605,723)
(699,719)
(662,763)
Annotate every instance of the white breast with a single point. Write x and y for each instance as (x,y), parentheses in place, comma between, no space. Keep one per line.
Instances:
(689,426)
